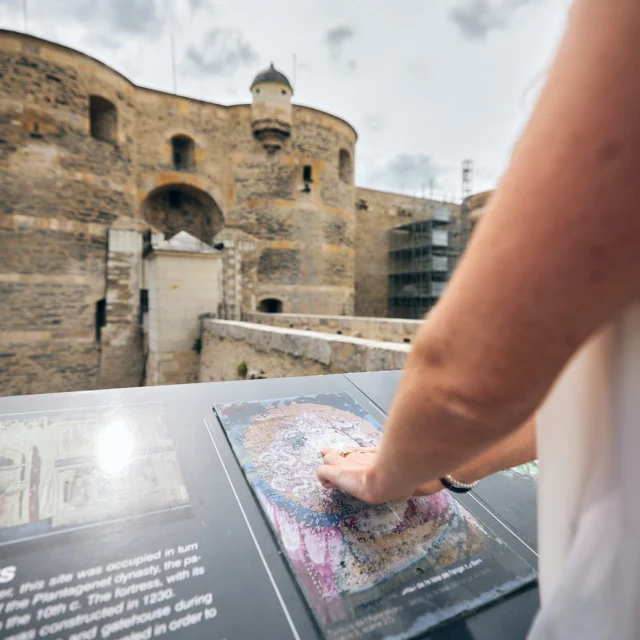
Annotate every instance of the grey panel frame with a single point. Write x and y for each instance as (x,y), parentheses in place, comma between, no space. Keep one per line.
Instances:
(190,405)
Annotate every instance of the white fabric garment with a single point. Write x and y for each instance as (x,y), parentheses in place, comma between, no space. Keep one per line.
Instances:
(589,492)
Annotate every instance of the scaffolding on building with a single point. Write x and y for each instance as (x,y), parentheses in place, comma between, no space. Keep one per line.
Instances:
(422,256)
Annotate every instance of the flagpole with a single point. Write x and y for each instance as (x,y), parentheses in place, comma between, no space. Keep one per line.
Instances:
(173,64)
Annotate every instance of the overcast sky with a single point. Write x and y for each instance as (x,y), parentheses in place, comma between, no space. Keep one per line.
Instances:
(426,83)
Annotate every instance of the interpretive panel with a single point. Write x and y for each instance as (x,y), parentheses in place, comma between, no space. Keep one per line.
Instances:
(387,571)
(77,467)
(119,522)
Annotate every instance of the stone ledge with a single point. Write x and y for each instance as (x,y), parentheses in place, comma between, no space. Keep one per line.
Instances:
(45,278)
(55,335)
(312,316)
(19,222)
(380,329)
(298,350)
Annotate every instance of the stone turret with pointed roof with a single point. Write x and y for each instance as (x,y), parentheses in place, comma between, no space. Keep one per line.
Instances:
(271,108)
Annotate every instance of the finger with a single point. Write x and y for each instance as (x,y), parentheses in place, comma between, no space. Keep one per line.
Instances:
(332,457)
(326,450)
(363,449)
(328,475)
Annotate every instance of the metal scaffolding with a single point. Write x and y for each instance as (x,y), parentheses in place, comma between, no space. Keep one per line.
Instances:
(422,256)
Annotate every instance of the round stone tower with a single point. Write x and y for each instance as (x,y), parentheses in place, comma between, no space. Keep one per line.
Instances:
(293,189)
(88,161)
(66,175)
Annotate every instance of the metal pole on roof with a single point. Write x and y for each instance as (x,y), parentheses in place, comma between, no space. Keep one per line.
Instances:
(295,69)
(173,64)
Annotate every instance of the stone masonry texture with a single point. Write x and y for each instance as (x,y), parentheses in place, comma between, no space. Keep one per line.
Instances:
(281,353)
(70,316)
(384,329)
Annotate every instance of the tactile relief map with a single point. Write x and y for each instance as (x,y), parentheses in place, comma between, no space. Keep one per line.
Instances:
(386,571)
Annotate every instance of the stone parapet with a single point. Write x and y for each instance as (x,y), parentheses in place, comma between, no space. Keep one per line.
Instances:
(230,349)
(383,329)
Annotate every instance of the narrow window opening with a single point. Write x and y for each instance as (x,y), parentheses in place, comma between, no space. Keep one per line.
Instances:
(35,131)
(306,173)
(103,119)
(345,166)
(144,305)
(101,317)
(183,151)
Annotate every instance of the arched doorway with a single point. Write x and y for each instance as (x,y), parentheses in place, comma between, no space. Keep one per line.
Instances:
(270,305)
(180,207)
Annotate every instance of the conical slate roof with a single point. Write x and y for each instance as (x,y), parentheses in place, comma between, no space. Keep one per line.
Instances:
(271,75)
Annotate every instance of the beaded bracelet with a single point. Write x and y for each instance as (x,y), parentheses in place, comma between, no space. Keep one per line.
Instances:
(456,486)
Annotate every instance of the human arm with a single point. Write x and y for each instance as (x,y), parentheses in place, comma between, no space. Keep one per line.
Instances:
(517,448)
(554,259)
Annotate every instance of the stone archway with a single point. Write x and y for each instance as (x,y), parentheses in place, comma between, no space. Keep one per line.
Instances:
(181,207)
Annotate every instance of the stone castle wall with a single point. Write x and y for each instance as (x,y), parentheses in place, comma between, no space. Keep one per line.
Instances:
(308,256)
(76,185)
(63,189)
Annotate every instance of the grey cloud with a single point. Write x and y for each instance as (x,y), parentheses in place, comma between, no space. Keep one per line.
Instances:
(135,16)
(335,39)
(196,5)
(477,18)
(122,17)
(409,173)
(221,53)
